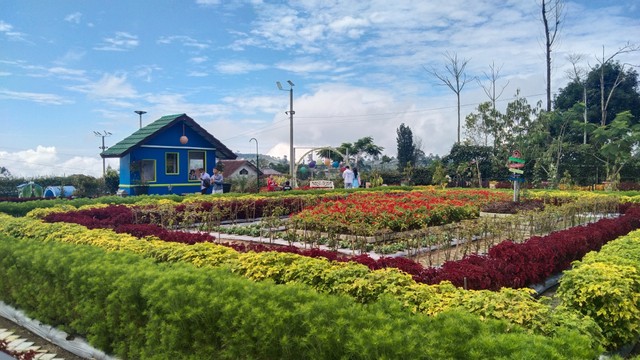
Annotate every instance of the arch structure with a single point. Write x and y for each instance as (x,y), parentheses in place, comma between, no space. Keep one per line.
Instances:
(297,163)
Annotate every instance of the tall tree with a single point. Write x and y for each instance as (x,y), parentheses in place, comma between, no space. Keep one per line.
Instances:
(619,141)
(366,147)
(406,149)
(491,87)
(552,14)
(362,147)
(600,91)
(605,99)
(454,77)
(578,75)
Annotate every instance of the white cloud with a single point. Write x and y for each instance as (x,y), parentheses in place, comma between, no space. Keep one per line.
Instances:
(305,65)
(73,17)
(46,161)
(198,59)
(208,2)
(145,72)
(238,67)
(121,41)
(184,40)
(7,30)
(110,86)
(42,98)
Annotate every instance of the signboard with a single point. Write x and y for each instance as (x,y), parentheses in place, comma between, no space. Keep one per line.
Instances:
(515,165)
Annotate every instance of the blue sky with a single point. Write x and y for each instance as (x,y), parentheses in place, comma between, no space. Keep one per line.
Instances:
(69,68)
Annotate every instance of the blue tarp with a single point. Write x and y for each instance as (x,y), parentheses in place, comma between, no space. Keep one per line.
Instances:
(54,191)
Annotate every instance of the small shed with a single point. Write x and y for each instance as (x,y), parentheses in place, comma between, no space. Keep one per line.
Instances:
(29,189)
(58,191)
(241,167)
(164,156)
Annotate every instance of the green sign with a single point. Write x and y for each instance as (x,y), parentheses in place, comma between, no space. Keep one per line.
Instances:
(515,159)
(516,171)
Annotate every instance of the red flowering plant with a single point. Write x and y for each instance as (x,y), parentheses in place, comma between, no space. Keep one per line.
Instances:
(394,211)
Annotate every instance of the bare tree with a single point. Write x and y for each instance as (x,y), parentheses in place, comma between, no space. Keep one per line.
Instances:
(552,14)
(604,103)
(579,76)
(490,88)
(454,77)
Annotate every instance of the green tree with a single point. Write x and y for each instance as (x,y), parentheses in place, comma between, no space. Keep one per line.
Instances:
(385,160)
(619,141)
(4,172)
(366,147)
(439,175)
(111,181)
(406,149)
(609,84)
(465,158)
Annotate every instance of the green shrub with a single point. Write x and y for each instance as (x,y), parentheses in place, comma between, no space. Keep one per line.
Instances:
(605,285)
(138,309)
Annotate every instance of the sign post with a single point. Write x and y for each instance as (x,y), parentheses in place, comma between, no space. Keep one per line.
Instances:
(515,166)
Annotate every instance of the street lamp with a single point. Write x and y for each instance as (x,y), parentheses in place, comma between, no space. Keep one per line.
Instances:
(257,165)
(103,148)
(290,113)
(140,112)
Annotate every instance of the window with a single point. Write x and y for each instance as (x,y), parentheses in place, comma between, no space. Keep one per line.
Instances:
(244,172)
(148,170)
(196,161)
(171,163)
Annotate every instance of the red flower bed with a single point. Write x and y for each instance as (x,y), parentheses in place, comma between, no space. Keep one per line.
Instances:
(517,265)
(371,213)
(505,265)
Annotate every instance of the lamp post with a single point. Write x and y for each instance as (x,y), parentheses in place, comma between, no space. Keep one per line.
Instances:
(103,148)
(257,165)
(140,112)
(290,113)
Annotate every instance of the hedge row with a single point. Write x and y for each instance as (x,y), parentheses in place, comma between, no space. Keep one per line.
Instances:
(365,286)
(606,286)
(136,308)
(516,265)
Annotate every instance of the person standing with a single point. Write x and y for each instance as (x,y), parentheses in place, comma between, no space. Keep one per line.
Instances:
(271,184)
(348,177)
(205,181)
(356,178)
(217,181)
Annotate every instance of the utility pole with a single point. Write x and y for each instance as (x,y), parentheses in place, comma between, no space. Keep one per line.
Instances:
(290,113)
(257,164)
(103,148)
(140,112)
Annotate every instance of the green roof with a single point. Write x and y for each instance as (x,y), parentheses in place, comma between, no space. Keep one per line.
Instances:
(142,135)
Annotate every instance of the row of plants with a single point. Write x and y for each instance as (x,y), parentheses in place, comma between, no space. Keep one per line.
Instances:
(605,286)
(518,307)
(516,265)
(371,214)
(16,354)
(136,308)
(507,264)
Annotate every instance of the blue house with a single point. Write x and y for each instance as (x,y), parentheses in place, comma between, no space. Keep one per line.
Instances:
(164,156)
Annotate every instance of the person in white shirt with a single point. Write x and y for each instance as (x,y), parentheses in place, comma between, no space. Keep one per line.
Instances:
(205,181)
(217,181)
(348,176)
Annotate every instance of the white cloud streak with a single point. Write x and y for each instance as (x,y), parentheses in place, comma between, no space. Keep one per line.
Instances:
(121,41)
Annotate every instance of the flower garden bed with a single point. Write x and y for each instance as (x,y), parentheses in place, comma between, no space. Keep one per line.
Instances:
(399,279)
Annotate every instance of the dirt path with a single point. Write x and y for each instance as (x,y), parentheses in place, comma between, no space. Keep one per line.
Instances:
(38,341)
